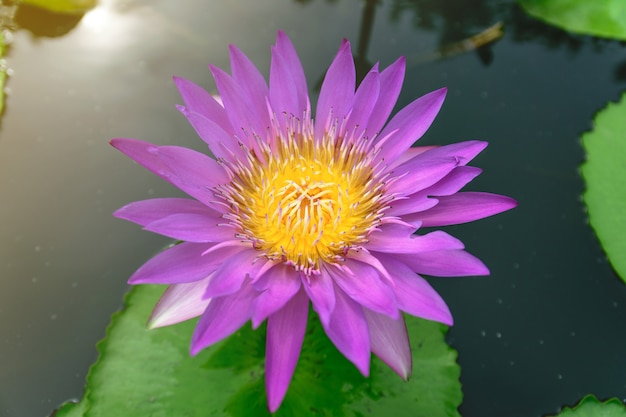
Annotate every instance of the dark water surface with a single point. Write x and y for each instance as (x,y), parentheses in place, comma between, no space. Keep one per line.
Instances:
(543,330)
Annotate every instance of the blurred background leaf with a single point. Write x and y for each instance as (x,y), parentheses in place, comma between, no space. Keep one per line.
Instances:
(605,175)
(590,406)
(604,18)
(63,6)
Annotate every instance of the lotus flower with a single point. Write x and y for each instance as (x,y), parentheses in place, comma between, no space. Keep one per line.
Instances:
(292,210)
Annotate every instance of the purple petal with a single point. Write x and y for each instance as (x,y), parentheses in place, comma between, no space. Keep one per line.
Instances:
(419,174)
(178,303)
(390,342)
(285,333)
(420,201)
(288,88)
(462,208)
(321,291)
(415,295)
(394,241)
(364,101)
(390,85)
(193,228)
(245,116)
(409,154)
(409,125)
(222,143)
(337,93)
(181,263)
(197,100)
(249,79)
(363,284)
(191,171)
(283,283)
(223,316)
(464,152)
(147,211)
(414,203)
(348,330)
(228,278)
(444,263)
(453,182)
(367,258)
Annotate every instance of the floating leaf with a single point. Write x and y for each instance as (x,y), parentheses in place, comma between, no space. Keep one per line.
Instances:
(605,174)
(590,406)
(63,6)
(149,372)
(605,18)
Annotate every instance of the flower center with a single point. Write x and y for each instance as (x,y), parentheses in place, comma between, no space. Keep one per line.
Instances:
(305,201)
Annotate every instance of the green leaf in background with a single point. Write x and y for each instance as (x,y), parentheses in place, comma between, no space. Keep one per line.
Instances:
(590,406)
(605,175)
(605,18)
(63,6)
(150,373)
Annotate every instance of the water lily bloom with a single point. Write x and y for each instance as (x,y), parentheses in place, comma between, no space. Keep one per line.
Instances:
(298,207)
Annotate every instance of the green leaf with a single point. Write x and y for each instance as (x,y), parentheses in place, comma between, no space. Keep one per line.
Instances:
(605,175)
(149,372)
(63,6)
(605,18)
(590,406)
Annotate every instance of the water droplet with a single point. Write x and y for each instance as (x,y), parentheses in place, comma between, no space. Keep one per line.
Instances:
(498,335)
(541,341)
(559,376)
(37,248)
(483,333)
(53,317)
(499,301)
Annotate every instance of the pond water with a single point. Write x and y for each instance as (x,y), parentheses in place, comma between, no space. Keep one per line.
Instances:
(541,332)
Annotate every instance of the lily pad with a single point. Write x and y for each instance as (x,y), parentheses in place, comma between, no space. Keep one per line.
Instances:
(63,6)
(604,18)
(605,175)
(590,406)
(149,372)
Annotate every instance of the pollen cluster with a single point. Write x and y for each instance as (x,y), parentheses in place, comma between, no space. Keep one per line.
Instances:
(306,201)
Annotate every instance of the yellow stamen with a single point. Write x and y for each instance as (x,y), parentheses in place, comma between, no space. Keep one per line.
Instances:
(305,201)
